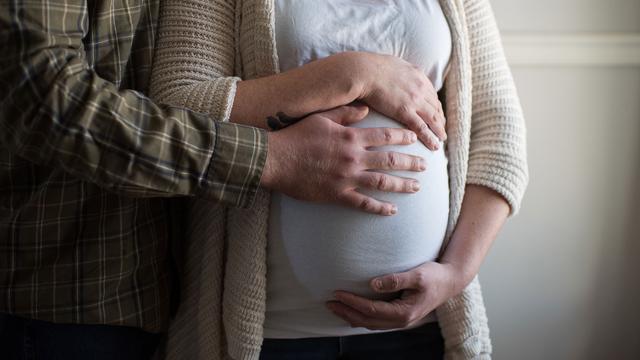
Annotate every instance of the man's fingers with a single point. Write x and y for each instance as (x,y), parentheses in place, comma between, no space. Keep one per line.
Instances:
(389,160)
(368,204)
(395,282)
(371,180)
(385,136)
(348,114)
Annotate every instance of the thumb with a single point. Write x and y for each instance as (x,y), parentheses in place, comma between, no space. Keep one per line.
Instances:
(393,282)
(348,114)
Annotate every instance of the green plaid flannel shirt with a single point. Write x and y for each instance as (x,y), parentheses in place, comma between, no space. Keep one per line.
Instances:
(87,162)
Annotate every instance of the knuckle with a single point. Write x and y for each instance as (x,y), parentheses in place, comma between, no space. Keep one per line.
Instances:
(421,278)
(388,135)
(371,309)
(349,158)
(371,182)
(408,185)
(365,204)
(349,135)
(422,127)
(404,110)
(435,118)
(392,159)
(343,174)
(394,281)
(416,163)
(407,136)
(382,182)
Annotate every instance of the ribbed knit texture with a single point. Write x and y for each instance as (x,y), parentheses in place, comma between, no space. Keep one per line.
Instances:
(203,45)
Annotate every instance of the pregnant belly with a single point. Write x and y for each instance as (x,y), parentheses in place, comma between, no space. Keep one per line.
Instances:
(314,249)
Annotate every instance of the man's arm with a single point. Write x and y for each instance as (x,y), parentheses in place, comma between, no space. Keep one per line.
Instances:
(59,112)
(55,110)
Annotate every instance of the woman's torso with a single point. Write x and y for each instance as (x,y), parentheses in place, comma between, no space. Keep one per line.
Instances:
(316,249)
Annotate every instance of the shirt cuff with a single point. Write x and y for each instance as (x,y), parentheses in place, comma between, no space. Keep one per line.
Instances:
(234,172)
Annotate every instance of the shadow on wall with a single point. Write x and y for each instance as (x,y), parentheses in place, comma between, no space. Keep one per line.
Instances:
(617,316)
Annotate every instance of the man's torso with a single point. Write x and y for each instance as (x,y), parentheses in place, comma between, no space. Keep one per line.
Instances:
(69,250)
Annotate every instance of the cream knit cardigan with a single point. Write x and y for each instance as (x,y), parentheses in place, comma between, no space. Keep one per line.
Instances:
(201,45)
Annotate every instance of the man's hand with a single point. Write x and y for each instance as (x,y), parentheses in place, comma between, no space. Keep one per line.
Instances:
(319,159)
(422,290)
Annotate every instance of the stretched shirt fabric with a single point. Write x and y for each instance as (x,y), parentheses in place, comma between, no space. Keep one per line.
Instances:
(224,280)
(315,249)
(86,158)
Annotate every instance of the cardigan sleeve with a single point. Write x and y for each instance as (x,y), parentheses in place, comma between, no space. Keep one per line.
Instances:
(195,56)
(497,150)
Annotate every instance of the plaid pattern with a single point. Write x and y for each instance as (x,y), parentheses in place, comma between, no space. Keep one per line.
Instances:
(86,161)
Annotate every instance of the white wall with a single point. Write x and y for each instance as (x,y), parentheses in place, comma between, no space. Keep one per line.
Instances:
(568,15)
(563,279)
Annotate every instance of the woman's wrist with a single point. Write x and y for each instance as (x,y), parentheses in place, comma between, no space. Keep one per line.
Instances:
(460,275)
(347,74)
(318,86)
(482,216)
(355,70)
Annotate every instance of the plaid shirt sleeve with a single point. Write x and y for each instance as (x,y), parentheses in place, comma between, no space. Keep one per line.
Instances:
(56,111)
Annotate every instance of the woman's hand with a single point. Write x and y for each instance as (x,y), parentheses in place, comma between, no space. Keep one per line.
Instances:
(401,91)
(425,287)
(422,290)
(386,83)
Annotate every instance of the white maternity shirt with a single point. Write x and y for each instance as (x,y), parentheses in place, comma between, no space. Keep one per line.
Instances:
(314,249)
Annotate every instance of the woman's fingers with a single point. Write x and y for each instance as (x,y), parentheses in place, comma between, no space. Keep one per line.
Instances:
(389,160)
(368,204)
(434,118)
(416,123)
(394,311)
(356,318)
(429,110)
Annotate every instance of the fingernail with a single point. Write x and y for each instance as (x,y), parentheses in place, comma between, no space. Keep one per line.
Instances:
(415,186)
(394,210)
(423,165)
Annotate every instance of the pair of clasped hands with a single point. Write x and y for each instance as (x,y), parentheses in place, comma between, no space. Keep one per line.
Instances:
(336,160)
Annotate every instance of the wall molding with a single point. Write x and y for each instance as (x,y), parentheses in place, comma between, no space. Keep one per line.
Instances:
(558,49)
